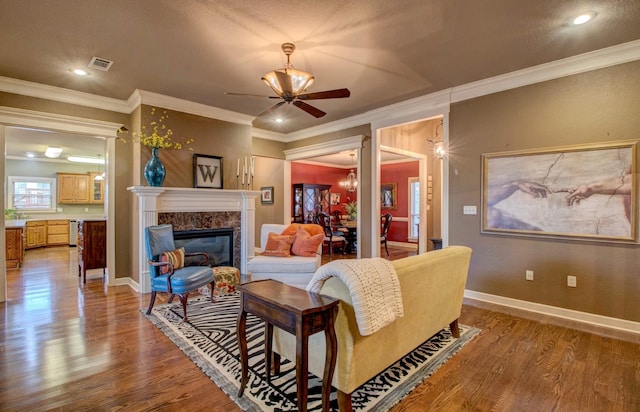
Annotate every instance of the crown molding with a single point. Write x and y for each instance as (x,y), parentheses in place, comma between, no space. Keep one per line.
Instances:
(418,108)
(59,94)
(581,63)
(268,134)
(52,121)
(173,103)
(332,146)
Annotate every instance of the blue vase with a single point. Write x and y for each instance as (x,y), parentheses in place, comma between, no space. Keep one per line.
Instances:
(154,170)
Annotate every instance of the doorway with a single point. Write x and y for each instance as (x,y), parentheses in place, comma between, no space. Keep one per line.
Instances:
(347,146)
(416,140)
(80,127)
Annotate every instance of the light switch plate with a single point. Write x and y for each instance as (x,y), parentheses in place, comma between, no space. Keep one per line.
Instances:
(469,210)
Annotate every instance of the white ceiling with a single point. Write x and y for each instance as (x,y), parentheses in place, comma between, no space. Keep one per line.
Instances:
(382,51)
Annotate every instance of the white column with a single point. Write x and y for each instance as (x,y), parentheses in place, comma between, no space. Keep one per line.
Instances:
(147,216)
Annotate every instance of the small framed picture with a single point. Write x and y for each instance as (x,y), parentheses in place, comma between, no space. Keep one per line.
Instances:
(266,197)
(207,171)
(335,199)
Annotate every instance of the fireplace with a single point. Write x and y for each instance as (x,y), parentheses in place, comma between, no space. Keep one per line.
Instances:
(203,209)
(217,243)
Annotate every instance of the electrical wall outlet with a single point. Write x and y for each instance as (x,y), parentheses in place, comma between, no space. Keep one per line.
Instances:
(86,209)
(528,275)
(469,210)
(572,281)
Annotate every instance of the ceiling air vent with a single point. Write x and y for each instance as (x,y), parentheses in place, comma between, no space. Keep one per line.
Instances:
(100,63)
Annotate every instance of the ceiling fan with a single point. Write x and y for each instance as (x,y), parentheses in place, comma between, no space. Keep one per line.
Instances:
(290,85)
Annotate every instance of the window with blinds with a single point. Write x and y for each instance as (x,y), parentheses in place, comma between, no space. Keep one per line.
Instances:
(31,194)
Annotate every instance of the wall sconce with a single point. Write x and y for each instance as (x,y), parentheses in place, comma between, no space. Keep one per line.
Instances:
(439,150)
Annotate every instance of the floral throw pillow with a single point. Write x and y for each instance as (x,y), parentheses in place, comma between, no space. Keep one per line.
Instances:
(175,257)
(278,245)
(305,244)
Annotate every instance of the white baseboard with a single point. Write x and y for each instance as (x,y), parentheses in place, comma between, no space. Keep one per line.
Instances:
(556,312)
(128,281)
(403,245)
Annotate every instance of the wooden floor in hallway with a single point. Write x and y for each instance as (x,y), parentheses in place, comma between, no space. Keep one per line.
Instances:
(70,346)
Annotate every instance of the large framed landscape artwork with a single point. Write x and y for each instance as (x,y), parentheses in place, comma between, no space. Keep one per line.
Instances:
(585,192)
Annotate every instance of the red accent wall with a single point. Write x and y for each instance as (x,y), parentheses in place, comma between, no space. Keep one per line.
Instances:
(392,173)
(399,173)
(305,173)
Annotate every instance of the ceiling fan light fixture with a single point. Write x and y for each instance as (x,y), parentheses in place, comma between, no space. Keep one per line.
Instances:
(293,82)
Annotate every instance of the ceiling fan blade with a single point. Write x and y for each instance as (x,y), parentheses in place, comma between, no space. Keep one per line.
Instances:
(315,112)
(272,108)
(252,95)
(328,94)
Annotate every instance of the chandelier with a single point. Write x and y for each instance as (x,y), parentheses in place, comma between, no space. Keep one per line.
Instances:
(351,182)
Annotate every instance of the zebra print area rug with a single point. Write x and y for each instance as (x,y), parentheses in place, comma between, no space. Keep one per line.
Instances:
(209,340)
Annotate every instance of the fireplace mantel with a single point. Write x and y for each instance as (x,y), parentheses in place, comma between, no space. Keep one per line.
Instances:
(154,200)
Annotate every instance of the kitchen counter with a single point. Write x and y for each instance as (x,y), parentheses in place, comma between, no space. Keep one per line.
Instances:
(21,222)
(15,223)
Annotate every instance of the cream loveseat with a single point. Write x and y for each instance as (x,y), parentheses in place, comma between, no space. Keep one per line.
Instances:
(294,270)
(432,287)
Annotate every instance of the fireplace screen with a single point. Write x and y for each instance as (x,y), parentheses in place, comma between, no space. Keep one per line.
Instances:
(217,243)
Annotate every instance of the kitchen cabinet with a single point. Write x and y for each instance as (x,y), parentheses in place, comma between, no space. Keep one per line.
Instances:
(308,199)
(14,247)
(36,234)
(57,232)
(73,188)
(92,246)
(96,194)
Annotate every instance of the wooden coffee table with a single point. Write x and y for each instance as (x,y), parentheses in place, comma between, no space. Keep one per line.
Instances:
(298,312)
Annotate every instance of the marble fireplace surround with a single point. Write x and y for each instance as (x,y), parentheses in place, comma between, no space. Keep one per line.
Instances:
(188,208)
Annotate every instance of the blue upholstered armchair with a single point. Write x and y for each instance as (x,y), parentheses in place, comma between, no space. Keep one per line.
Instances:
(166,267)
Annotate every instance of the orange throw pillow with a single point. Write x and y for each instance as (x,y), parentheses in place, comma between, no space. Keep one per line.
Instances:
(175,257)
(311,228)
(278,245)
(305,244)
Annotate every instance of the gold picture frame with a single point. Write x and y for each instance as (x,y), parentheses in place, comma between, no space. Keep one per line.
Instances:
(388,196)
(585,192)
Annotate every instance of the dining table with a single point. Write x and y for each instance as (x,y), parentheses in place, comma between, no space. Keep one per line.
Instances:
(349,228)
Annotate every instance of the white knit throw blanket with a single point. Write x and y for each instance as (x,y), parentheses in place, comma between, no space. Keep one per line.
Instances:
(373,286)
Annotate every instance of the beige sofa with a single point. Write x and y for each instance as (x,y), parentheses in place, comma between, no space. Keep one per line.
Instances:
(432,286)
(294,270)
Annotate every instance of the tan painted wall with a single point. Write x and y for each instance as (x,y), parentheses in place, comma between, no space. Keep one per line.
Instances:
(599,106)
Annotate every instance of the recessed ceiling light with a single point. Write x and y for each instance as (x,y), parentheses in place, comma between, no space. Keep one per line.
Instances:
(80,72)
(29,154)
(279,120)
(583,18)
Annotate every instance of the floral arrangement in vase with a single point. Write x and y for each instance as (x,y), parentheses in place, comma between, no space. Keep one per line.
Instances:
(352,209)
(157,136)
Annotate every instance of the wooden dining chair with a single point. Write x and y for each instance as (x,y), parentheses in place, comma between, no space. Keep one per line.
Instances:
(385,224)
(330,237)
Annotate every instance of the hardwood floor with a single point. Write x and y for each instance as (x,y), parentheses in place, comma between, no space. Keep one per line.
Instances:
(69,346)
